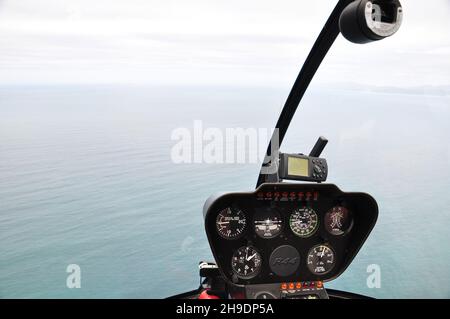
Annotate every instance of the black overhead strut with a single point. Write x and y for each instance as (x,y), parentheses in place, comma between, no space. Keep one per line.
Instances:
(318,52)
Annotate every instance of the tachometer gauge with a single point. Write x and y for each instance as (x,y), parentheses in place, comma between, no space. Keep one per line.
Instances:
(268,223)
(246,262)
(320,259)
(230,223)
(338,220)
(303,222)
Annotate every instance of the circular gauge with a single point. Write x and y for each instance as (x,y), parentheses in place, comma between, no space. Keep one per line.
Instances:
(304,222)
(268,223)
(230,223)
(338,220)
(246,262)
(320,259)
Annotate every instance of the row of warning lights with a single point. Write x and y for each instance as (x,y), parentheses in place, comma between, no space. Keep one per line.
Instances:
(301,285)
(291,195)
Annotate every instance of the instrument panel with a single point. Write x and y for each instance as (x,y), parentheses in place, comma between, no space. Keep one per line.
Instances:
(285,232)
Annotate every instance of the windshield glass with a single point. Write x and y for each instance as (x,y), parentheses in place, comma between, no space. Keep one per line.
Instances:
(385,108)
(95,97)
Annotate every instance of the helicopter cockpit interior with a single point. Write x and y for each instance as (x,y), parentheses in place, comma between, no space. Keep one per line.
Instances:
(284,240)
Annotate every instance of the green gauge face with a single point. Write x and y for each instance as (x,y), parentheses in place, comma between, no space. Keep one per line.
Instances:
(303,222)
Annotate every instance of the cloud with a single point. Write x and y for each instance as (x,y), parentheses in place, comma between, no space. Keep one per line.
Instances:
(209,42)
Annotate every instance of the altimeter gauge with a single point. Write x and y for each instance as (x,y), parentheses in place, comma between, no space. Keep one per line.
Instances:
(246,262)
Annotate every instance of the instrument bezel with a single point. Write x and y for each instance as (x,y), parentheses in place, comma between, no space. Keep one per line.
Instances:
(322,197)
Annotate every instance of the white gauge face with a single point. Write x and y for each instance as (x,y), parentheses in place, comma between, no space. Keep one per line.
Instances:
(321,259)
(304,222)
(230,223)
(246,262)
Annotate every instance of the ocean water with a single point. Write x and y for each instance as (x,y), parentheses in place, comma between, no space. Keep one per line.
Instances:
(86,178)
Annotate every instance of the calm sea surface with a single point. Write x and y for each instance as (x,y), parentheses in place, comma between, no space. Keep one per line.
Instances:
(86,178)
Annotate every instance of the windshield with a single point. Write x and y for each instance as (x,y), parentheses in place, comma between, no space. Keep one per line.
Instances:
(96,100)
(384,108)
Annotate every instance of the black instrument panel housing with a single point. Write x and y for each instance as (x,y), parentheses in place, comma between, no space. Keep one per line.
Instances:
(320,197)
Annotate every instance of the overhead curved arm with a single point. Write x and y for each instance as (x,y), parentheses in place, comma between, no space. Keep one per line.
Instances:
(315,57)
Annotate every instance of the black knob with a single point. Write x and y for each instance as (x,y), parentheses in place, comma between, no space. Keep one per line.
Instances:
(317,169)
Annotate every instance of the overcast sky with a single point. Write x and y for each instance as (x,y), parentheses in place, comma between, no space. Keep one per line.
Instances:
(250,42)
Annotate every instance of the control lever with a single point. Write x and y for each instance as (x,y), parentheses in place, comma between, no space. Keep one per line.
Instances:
(213,284)
(208,269)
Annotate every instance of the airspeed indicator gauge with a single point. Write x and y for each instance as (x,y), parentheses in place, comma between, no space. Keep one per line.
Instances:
(230,223)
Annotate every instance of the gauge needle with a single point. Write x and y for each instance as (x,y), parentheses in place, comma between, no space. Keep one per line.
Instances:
(221,223)
(251,257)
(323,251)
